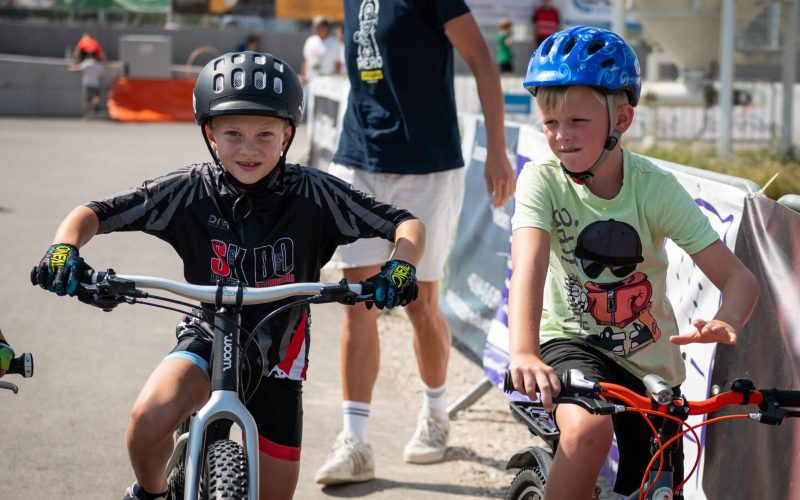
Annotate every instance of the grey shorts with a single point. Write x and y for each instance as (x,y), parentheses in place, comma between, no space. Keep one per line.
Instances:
(434,198)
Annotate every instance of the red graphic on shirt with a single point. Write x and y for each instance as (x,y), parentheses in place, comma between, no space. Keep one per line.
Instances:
(270,265)
(219,265)
(618,304)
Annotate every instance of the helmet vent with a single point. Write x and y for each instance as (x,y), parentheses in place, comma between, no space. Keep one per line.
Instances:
(219,83)
(238,79)
(259,79)
(548,46)
(595,46)
(607,63)
(278,66)
(260,59)
(219,64)
(570,43)
(277,85)
(237,59)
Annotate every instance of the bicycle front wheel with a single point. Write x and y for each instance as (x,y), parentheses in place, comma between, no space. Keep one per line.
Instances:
(225,472)
(531,481)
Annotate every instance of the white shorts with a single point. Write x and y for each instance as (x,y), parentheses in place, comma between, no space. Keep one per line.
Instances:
(433,198)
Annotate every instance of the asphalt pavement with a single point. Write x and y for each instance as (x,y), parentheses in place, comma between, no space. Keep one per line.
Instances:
(62,435)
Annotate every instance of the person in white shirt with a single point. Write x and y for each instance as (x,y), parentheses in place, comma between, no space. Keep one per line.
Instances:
(321,53)
(92,70)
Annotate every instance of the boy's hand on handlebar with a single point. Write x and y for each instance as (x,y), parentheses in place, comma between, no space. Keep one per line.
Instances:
(60,270)
(6,355)
(706,332)
(530,374)
(394,285)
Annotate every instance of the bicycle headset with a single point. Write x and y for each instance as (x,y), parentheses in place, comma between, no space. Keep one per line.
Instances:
(589,56)
(247,83)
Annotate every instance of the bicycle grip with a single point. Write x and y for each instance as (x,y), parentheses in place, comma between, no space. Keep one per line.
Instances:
(367,287)
(508,384)
(22,365)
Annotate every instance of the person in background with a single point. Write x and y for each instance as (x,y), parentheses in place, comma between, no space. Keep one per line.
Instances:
(252,43)
(341,67)
(321,54)
(505,58)
(546,21)
(400,137)
(86,45)
(92,70)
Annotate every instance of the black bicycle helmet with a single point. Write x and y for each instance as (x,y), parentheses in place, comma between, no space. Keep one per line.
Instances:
(248,83)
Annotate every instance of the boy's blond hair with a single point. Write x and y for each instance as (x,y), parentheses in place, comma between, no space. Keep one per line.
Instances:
(553,99)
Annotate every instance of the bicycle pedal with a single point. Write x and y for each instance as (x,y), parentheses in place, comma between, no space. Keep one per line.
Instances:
(538,421)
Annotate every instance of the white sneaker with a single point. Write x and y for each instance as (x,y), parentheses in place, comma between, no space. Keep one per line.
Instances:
(429,441)
(349,461)
(134,492)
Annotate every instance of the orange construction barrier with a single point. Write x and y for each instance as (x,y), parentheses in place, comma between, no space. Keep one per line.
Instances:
(140,100)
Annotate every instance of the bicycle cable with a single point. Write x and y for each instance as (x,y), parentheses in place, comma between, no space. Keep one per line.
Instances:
(252,334)
(245,384)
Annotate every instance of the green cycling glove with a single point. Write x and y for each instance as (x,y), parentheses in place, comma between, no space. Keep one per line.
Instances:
(60,270)
(6,355)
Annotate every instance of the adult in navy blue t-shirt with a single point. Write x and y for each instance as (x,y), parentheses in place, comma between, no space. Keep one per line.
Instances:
(400,138)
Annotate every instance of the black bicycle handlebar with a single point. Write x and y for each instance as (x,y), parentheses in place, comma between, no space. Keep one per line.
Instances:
(22,365)
(576,389)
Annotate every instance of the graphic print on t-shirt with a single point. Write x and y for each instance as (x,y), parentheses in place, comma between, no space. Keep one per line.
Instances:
(369,60)
(622,307)
(272,264)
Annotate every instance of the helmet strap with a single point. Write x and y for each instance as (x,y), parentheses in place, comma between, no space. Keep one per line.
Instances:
(208,145)
(291,139)
(611,142)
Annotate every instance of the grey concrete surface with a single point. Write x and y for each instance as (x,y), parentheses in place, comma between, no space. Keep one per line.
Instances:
(62,435)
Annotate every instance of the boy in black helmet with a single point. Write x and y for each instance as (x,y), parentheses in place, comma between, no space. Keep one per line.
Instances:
(249,217)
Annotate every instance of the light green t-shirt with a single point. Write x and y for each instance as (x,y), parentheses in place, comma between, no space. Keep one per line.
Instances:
(622,310)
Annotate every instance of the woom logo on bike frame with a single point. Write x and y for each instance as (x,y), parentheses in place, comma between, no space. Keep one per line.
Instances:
(227,353)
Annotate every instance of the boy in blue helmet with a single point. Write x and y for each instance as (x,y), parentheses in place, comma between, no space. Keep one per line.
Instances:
(246,217)
(589,264)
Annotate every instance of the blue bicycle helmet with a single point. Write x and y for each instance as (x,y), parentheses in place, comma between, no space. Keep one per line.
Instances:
(584,55)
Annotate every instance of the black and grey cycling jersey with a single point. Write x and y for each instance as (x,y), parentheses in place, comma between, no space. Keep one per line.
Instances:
(281,230)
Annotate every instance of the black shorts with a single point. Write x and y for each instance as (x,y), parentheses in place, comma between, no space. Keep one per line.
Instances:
(90,93)
(276,404)
(632,432)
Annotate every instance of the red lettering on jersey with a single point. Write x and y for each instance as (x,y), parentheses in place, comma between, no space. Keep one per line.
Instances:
(219,264)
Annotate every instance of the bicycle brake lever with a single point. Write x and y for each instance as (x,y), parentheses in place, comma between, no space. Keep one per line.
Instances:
(592,405)
(8,385)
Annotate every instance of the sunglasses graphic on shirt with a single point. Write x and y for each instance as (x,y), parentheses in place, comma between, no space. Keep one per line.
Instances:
(593,269)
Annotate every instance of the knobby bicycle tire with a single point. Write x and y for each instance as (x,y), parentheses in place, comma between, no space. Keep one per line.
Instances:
(225,471)
(176,479)
(530,482)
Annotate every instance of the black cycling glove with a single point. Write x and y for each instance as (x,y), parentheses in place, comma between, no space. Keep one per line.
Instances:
(60,270)
(395,285)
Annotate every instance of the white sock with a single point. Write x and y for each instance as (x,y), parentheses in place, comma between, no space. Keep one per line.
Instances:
(433,399)
(356,416)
